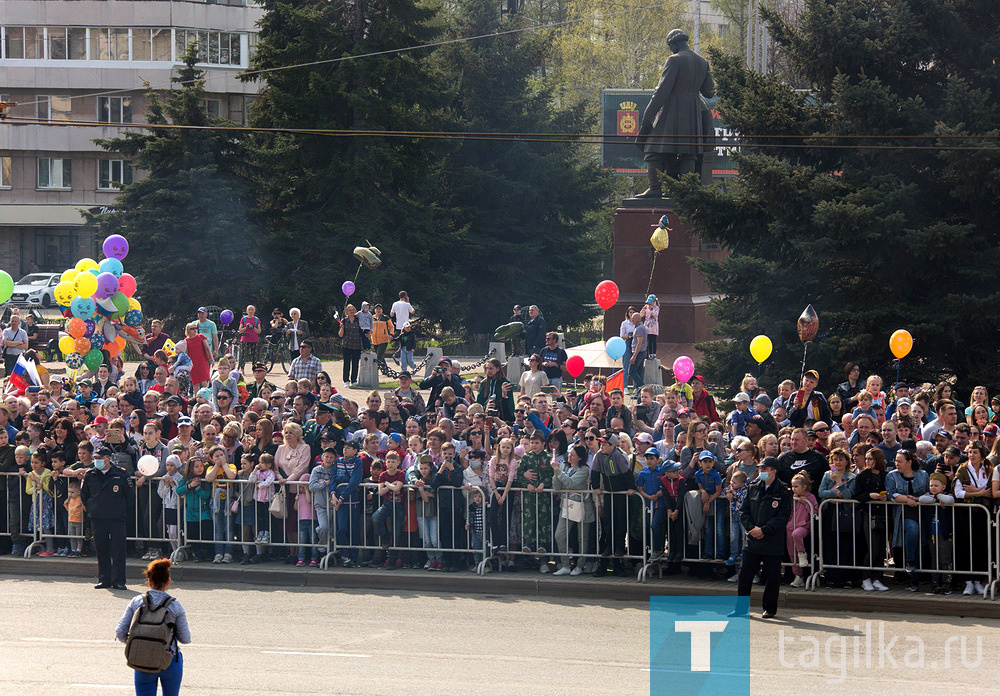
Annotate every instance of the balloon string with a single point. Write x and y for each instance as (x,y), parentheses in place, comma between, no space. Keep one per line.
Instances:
(651,269)
(802,373)
(899,367)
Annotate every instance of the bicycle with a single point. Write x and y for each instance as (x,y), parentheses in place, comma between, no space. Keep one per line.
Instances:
(276,350)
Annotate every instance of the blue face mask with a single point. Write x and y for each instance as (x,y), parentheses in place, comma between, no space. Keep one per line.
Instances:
(99,464)
(765,476)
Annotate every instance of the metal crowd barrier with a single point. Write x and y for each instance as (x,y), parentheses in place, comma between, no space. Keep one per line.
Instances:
(943,539)
(355,536)
(992,588)
(527,525)
(17,512)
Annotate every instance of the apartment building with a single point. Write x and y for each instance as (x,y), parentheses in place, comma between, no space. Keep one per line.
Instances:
(72,62)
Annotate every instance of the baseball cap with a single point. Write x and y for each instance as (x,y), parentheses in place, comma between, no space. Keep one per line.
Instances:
(34,389)
(909,444)
(396,437)
(943,433)
(757,420)
(611,439)
(904,400)
(307,343)
(644,437)
(184,420)
(651,452)
(812,373)
(706,454)
(683,411)
(517,307)
(768,463)
(353,444)
(953,451)
(101,420)
(650,299)
(992,430)
(329,450)
(174,399)
(901,385)
(177,447)
(699,378)
(764,400)
(405,373)
(742,397)
(672,466)
(203,309)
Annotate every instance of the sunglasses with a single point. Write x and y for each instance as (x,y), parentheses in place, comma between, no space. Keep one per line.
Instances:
(224,398)
(821,430)
(590,437)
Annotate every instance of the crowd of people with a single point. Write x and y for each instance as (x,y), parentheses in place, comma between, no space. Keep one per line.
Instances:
(461,471)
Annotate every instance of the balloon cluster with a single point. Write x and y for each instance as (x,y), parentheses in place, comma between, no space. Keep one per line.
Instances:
(98,299)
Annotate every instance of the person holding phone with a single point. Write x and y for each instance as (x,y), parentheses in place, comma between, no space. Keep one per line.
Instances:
(495,392)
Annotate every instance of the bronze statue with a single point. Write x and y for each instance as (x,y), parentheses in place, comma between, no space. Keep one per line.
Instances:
(676,128)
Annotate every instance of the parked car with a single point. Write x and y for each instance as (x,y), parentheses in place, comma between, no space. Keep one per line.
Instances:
(35,290)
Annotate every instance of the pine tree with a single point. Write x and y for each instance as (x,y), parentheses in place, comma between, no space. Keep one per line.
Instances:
(877,235)
(529,211)
(191,221)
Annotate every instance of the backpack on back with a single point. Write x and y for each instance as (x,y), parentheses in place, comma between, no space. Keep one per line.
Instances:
(147,648)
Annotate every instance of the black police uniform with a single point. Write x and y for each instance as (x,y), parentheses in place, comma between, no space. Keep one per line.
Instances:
(107,497)
(767,507)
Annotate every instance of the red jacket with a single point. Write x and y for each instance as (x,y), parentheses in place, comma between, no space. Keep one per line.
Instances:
(704,406)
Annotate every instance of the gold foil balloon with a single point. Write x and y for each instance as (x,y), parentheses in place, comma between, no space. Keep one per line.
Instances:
(808,324)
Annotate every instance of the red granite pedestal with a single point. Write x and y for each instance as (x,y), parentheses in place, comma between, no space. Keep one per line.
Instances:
(681,290)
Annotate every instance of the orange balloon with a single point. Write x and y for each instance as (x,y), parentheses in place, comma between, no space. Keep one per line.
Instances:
(76,327)
(120,341)
(901,343)
(112,348)
(82,345)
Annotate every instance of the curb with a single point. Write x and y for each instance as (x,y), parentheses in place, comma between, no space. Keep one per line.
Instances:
(521,584)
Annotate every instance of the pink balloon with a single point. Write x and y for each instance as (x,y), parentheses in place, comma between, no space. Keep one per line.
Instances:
(683,368)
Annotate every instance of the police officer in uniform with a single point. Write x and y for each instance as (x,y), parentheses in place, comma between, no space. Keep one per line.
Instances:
(108,495)
(764,514)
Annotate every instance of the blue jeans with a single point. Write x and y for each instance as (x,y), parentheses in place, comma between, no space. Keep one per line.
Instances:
(428,527)
(556,382)
(735,537)
(715,544)
(322,524)
(476,542)
(635,373)
(222,527)
(349,527)
(306,537)
(396,514)
(911,541)
(406,359)
(169,679)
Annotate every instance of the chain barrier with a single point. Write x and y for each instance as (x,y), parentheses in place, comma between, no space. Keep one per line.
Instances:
(393,374)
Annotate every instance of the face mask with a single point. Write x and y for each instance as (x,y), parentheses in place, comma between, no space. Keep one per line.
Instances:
(99,464)
(765,476)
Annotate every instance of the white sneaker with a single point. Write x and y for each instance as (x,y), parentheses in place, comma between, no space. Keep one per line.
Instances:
(803,560)
(756,579)
(576,571)
(978,586)
(877,584)
(798,581)
(228,558)
(867,585)
(969,588)
(544,568)
(565,570)
(733,578)
(218,558)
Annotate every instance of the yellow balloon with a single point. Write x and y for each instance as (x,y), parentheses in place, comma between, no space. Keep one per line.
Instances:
(85,264)
(134,304)
(70,274)
(760,348)
(67,344)
(85,284)
(64,292)
(660,239)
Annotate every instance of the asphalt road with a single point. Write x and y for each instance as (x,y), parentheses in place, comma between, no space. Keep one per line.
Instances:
(55,638)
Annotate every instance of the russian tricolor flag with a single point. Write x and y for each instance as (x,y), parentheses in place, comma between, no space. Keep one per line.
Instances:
(23,375)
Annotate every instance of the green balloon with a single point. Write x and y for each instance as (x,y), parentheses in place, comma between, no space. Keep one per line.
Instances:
(6,286)
(120,301)
(93,359)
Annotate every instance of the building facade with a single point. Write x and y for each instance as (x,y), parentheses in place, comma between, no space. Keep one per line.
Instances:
(77,71)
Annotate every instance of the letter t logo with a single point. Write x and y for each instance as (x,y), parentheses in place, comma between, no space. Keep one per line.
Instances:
(701,641)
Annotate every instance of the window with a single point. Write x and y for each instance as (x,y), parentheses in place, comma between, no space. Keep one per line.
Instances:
(52,108)
(67,43)
(54,173)
(213,107)
(4,172)
(23,43)
(113,174)
(114,109)
(214,47)
(109,44)
(150,44)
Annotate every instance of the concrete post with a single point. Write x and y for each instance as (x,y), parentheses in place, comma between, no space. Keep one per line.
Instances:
(435,357)
(514,369)
(368,373)
(501,349)
(651,373)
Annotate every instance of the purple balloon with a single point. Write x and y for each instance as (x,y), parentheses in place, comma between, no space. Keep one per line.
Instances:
(348,288)
(90,328)
(107,286)
(226,317)
(115,247)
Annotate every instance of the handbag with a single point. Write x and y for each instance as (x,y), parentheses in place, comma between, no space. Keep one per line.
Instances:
(279,504)
(572,510)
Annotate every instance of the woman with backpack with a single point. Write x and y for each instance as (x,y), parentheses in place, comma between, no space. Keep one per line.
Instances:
(152,627)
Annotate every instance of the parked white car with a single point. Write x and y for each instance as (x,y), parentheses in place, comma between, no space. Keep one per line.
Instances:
(35,290)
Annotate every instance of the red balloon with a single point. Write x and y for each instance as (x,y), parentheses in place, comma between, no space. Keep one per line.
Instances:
(574,366)
(127,284)
(606,294)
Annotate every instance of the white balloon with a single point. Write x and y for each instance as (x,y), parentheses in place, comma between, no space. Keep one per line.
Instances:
(148,465)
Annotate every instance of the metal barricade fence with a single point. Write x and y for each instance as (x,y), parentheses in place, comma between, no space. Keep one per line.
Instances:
(17,522)
(995,558)
(581,528)
(227,515)
(926,538)
(382,532)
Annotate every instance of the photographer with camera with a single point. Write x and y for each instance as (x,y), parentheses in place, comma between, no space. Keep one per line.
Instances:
(441,377)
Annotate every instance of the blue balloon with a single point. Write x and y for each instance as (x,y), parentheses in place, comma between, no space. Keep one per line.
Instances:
(615,347)
(74,361)
(97,341)
(95,271)
(112,266)
(83,307)
(133,317)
